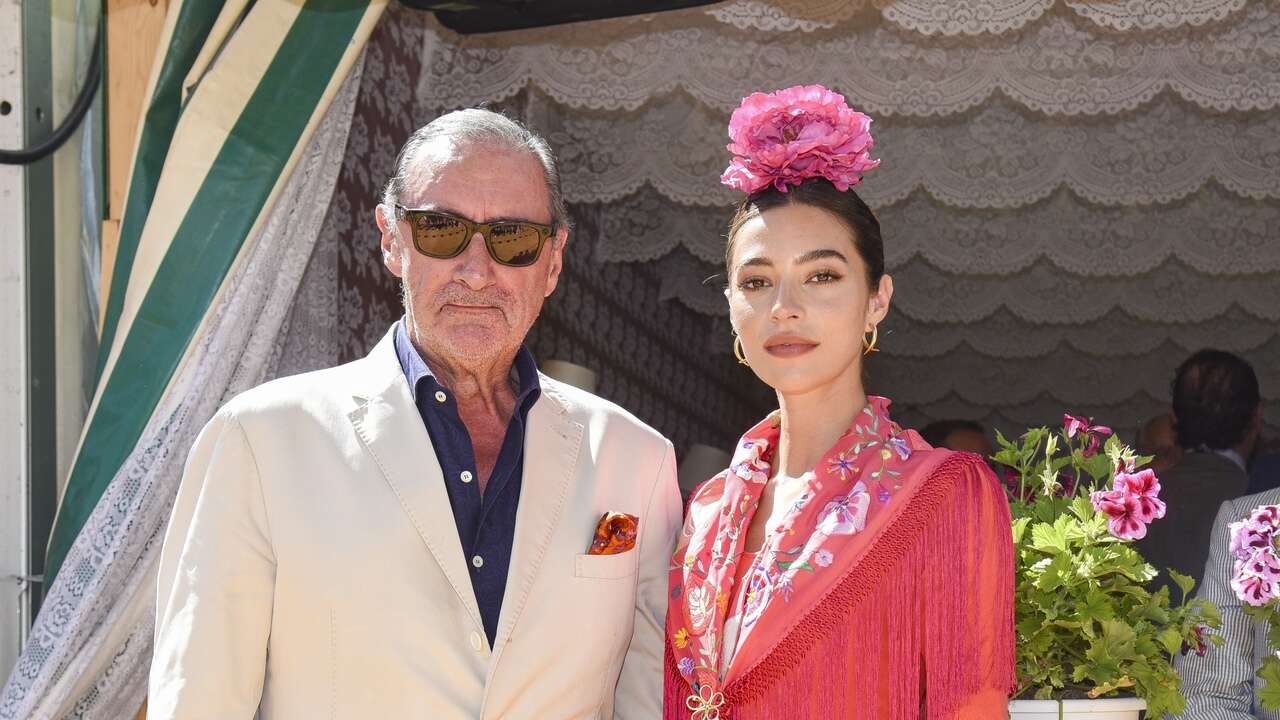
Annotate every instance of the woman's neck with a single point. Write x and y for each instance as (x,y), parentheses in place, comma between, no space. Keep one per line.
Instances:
(813,421)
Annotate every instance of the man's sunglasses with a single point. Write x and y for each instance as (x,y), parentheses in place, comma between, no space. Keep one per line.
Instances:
(516,243)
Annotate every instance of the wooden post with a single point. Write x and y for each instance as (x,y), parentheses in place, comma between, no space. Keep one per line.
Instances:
(133,32)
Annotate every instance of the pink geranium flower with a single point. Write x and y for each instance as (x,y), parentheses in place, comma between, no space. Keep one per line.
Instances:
(1144,487)
(786,137)
(1083,426)
(1256,572)
(1124,518)
(1248,536)
(1263,563)
(1254,590)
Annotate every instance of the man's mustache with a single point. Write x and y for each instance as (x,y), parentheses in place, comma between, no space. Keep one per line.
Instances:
(455,295)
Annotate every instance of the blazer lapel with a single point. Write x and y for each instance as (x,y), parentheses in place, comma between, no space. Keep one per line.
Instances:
(389,427)
(551,457)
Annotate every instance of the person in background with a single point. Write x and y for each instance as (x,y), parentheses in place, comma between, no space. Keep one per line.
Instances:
(1221,683)
(1264,470)
(962,435)
(1217,414)
(1159,439)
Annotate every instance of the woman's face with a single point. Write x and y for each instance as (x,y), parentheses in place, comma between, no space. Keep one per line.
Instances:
(800,300)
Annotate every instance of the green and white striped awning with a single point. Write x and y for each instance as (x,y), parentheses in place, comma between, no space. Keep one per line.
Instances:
(238,89)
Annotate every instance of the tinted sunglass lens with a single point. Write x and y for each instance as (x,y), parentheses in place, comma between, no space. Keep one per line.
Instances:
(515,243)
(437,235)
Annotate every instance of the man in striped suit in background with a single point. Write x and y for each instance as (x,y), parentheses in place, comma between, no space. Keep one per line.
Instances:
(1218,415)
(1222,683)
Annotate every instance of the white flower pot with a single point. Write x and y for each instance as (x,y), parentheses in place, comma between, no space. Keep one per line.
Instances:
(1103,709)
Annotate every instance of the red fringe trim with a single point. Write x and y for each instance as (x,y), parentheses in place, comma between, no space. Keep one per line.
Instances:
(913,573)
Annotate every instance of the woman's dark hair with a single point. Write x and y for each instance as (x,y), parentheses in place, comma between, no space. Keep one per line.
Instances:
(1215,397)
(844,205)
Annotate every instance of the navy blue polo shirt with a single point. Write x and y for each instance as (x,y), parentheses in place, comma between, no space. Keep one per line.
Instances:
(486,525)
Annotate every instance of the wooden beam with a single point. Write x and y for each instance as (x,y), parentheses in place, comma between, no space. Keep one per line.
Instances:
(133,33)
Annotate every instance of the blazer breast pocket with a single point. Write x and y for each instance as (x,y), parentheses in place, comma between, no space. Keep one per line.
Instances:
(606,567)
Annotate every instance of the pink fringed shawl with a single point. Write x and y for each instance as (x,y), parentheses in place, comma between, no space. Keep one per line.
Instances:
(893,605)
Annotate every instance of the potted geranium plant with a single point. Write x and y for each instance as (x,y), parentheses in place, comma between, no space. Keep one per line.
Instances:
(1092,638)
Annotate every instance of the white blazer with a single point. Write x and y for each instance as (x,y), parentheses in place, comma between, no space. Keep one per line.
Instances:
(312,567)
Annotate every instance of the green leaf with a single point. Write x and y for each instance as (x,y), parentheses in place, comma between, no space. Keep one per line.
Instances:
(1096,606)
(1269,692)
(1120,639)
(1020,529)
(1171,639)
(1048,538)
(1184,583)
(1055,573)
(1273,634)
(1082,508)
(1098,467)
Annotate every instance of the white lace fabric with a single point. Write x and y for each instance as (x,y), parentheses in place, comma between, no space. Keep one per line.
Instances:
(970,17)
(1057,66)
(1213,232)
(997,157)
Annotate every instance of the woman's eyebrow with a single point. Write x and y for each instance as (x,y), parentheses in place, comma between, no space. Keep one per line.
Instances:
(823,254)
(757,261)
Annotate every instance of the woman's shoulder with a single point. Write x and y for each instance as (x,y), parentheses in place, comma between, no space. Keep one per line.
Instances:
(967,471)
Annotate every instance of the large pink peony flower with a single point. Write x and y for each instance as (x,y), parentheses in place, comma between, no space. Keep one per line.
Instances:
(786,137)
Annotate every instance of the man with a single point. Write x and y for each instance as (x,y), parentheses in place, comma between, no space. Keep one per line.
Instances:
(408,536)
(1217,413)
(1221,684)
(1159,439)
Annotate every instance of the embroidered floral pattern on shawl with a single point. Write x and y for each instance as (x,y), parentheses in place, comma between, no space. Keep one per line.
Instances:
(870,459)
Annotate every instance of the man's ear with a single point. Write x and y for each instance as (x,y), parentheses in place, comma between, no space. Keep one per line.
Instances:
(386,220)
(557,243)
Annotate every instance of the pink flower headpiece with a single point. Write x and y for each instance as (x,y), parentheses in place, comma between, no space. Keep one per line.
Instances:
(786,137)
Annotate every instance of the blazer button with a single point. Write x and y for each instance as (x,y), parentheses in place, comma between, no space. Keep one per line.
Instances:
(477,643)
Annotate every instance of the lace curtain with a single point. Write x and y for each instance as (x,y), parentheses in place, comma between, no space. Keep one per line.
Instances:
(970,17)
(1075,195)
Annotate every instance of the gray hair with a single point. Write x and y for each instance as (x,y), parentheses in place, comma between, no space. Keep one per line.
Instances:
(482,127)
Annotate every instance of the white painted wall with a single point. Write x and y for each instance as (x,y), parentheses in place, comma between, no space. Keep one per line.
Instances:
(14,552)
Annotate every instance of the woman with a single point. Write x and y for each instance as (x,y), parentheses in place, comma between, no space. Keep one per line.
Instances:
(840,567)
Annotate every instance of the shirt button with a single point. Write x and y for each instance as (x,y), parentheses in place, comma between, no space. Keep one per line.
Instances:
(477,643)
(440,396)
(477,561)
(466,476)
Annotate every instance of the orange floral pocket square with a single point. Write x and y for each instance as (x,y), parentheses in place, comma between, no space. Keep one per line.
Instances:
(615,533)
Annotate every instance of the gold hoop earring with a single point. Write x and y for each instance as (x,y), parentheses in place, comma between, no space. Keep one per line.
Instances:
(869,346)
(738,353)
